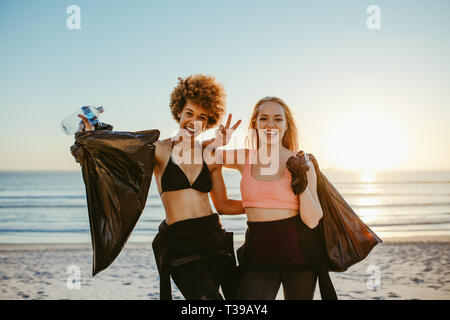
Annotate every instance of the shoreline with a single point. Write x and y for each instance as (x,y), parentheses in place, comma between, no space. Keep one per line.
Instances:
(144,245)
(406,268)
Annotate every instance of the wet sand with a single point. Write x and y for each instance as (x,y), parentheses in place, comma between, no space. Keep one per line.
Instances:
(408,268)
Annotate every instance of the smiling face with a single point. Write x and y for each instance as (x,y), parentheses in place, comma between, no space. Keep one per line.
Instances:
(193,120)
(271,122)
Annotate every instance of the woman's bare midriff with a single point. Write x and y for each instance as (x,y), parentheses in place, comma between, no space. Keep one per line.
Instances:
(266,214)
(185,204)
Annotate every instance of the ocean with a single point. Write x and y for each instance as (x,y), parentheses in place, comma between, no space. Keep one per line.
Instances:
(50,206)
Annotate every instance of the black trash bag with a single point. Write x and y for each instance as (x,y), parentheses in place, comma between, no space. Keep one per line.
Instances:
(346,237)
(117,171)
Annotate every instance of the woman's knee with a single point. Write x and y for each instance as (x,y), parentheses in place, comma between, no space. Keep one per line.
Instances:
(195,282)
(255,285)
(299,285)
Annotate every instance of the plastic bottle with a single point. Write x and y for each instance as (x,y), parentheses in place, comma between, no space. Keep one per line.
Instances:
(72,123)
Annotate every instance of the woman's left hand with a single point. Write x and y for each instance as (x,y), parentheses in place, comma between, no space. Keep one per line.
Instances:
(299,167)
(224,133)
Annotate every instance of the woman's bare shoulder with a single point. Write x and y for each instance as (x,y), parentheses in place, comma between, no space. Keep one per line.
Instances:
(162,149)
(164,141)
(162,144)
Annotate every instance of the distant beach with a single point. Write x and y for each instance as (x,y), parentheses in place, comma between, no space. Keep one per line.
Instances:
(407,270)
(44,230)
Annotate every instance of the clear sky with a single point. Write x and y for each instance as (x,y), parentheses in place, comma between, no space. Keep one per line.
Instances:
(375,99)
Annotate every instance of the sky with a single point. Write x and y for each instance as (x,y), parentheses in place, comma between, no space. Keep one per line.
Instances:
(362,98)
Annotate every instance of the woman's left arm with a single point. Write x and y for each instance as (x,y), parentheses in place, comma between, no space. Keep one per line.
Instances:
(310,208)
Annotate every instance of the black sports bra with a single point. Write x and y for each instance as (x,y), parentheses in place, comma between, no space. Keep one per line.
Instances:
(173,178)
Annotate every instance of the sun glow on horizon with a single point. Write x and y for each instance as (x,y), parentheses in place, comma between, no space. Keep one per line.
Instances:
(368,176)
(367,144)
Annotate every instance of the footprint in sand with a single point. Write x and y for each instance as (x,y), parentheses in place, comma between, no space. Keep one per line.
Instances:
(358,292)
(393,295)
(23,295)
(433,286)
(417,280)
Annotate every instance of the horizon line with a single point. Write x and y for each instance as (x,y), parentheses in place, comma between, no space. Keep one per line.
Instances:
(326,168)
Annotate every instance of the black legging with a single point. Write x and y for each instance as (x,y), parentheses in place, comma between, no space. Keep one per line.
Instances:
(200,280)
(200,258)
(297,285)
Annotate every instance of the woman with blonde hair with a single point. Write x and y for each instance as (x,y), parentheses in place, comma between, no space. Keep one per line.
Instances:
(280,223)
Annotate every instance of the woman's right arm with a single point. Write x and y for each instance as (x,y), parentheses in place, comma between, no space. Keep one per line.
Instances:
(87,125)
(77,151)
(232,158)
(159,148)
(219,195)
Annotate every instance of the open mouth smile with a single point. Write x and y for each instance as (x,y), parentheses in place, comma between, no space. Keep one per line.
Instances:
(191,131)
(270,132)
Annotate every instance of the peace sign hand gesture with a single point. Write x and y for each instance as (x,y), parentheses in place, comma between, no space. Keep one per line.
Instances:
(224,133)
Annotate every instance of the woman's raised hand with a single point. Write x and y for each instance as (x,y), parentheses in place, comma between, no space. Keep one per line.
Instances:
(224,133)
(87,125)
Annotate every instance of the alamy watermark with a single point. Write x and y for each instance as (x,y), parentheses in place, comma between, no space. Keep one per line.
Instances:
(373,21)
(374,280)
(74,279)
(73,22)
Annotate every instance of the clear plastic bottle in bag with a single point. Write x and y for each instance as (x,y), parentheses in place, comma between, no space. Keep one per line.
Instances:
(73,124)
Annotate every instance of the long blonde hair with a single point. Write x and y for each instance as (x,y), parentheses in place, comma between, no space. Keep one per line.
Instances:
(290,137)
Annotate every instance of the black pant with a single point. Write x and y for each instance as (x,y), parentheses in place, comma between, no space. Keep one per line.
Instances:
(200,279)
(297,285)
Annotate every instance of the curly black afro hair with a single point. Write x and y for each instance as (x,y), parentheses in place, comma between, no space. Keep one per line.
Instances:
(202,90)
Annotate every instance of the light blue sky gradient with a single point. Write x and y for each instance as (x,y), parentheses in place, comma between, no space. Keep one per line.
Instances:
(318,56)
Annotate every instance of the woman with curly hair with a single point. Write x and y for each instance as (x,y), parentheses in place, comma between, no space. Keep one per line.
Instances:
(191,245)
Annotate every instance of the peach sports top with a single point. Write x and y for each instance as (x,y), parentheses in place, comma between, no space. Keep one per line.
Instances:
(275,194)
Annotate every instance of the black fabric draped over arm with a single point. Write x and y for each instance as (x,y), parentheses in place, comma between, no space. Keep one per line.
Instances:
(117,170)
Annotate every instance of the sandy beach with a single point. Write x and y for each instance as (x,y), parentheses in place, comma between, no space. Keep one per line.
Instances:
(406,268)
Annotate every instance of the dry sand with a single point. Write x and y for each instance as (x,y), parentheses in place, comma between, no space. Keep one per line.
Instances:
(408,269)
